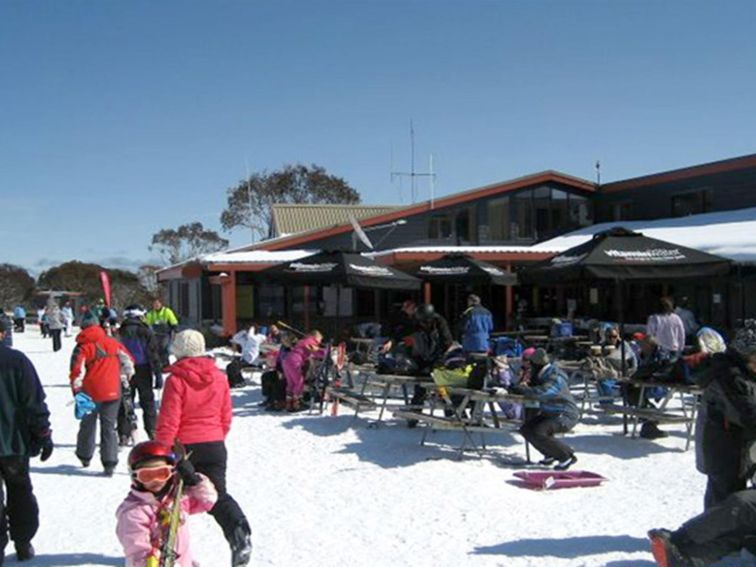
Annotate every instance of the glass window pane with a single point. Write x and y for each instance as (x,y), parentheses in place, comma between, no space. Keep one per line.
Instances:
(498,219)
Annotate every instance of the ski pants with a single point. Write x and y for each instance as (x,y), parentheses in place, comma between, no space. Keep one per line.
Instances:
(55,334)
(539,431)
(210,460)
(107,414)
(720,530)
(141,382)
(20,513)
(163,345)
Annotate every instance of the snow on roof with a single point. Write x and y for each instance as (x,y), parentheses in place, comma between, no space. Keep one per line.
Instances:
(256,256)
(462,250)
(731,234)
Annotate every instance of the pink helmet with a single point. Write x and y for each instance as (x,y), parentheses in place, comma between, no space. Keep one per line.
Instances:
(528,352)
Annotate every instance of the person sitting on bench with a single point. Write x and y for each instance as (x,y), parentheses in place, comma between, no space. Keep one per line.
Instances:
(557,412)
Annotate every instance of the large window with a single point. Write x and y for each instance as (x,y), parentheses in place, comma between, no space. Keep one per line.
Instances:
(498,219)
(692,203)
(439,227)
(523,213)
(464,224)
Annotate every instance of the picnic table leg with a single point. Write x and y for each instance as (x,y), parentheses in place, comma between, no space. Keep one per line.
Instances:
(691,425)
(384,395)
(636,418)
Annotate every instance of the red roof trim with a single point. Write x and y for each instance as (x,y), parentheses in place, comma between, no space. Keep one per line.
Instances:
(732,164)
(443,202)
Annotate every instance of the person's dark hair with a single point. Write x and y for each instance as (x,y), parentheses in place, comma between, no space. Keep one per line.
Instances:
(425,312)
(666,305)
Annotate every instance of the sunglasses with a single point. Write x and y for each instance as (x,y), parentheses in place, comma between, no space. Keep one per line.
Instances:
(153,474)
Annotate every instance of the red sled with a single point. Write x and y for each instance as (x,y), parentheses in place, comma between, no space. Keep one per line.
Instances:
(550,480)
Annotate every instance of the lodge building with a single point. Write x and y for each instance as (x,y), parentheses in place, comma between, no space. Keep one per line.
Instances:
(511,224)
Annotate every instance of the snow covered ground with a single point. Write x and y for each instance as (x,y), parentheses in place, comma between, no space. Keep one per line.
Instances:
(321,490)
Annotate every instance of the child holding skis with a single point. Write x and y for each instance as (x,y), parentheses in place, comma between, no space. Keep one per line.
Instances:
(143,517)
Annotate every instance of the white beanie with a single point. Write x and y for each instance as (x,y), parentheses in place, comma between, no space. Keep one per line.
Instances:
(188,343)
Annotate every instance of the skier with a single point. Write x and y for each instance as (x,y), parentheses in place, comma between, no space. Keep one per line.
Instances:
(163,322)
(24,432)
(294,368)
(99,365)
(42,320)
(138,338)
(154,469)
(196,410)
(69,315)
(56,322)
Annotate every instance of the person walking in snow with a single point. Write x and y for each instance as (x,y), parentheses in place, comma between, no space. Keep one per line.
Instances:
(19,318)
(69,315)
(24,433)
(138,338)
(477,324)
(196,411)
(56,322)
(155,468)
(163,321)
(99,366)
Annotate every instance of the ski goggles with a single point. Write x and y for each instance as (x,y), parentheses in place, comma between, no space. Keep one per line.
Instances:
(153,474)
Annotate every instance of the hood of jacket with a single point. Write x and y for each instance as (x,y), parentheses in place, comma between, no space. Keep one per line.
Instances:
(90,335)
(197,371)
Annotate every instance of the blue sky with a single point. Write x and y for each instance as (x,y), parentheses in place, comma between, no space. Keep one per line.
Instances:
(118,119)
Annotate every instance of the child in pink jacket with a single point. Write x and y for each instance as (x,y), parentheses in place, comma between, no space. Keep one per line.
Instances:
(143,517)
(294,368)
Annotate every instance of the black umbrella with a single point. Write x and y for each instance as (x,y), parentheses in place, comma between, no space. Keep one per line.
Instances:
(341,268)
(621,254)
(461,269)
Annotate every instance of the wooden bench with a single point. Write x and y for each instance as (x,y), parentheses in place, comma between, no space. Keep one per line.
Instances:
(351,398)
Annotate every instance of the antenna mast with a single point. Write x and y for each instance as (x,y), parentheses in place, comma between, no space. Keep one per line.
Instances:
(412,174)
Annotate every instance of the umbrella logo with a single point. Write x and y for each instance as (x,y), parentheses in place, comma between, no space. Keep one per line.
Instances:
(445,271)
(371,270)
(299,267)
(566,260)
(493,271)
(650,255)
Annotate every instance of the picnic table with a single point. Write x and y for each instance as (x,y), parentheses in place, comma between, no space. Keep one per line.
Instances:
(689,396)
(479,421)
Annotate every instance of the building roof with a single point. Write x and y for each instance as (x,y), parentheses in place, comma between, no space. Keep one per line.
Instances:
(731,234)
(288,218)
(722,166)
(425,206)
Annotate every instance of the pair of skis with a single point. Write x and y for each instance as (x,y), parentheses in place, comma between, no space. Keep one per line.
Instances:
(168,554)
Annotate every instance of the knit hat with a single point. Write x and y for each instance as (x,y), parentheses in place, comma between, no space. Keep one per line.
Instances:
(188,343)
(540,358)
(745,338)
(135,311)
(89,320)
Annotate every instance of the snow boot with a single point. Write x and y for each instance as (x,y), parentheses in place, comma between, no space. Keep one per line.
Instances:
(567,463)
(241,544)
(547,461)
(108,469)
(293,405)
(24,551)
(665,552)
(649,430)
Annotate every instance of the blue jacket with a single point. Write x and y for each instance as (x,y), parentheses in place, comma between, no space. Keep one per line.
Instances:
(476,329)
(551,389)
(19,313)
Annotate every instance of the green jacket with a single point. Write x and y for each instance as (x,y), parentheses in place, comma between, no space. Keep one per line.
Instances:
(162,321)
(24,417)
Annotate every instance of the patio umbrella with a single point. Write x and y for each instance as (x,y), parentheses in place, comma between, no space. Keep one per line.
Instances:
(348,269)
(462,269)
(620,254)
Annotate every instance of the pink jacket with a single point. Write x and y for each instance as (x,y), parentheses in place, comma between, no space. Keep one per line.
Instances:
(138,528)
(293,362)
(196,405)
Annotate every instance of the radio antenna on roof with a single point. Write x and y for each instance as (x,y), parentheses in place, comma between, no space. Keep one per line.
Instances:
(412,174)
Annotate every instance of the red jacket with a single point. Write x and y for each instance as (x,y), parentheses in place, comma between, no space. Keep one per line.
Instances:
(104,359)
(196,406)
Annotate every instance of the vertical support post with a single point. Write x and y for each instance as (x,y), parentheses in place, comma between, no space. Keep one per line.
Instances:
(228,301)
(427,293)
(307,308)
(508,302)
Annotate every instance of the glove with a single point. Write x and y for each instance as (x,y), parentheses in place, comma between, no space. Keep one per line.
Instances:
(41,447)
(158,380)
(186,471)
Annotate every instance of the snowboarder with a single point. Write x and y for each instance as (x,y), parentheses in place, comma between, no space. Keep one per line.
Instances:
(26,433)
(99,365)
(196,410)
(154,469)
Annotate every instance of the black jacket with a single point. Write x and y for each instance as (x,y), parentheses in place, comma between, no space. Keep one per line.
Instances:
(730,426)
(24,417)
(140,341)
